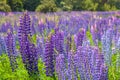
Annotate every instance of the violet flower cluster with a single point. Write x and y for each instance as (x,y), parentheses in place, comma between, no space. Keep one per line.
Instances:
(106,46)
(118,54)
(27,48)
(49,57)
(87,62)
(40,46)
(68,43)
(58,41)
(60,67)
(71,68)
(90,64)
(10,44)
(80,36)
(2,45)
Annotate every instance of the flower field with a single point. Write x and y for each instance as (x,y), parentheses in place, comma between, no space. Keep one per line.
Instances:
(60,46)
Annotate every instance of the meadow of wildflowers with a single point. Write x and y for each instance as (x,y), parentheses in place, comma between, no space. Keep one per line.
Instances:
(60,46)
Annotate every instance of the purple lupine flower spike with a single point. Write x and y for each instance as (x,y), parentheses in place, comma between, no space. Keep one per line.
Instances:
(59,42)
(2,45)
(68,43)
(78,58)
(71,67)
(41,27)
(32,65)
(118,55)
(86,43)
(49,57)
(40,46)
(118,44)
(106,46)
(94,33)
(33,29)
(80,37)
(10,44)
(25,26)
(88,61)
(96,74)
(27,48)
(61,67)
(104,72)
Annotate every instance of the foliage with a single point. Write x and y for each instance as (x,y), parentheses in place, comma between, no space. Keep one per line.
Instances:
(6,72)
(31,5)
(89,5)
(80,5)
(105,5)
(66,6)
(21,73)
(4,7)
(62,5)
(113,71)
(4,1)
(47,6)
(16,5)
(117,4)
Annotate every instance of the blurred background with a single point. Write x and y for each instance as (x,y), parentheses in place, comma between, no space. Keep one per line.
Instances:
(59,5)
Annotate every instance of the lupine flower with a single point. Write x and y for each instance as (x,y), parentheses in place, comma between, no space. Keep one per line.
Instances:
(25,26)
(2,44)
(80,37)
(32,59)
(15,28)
(49,57)
(102,26)
(118,44)
(88,61)
(59,42)
(106,46)
(27,48)
(10,43)
(118,55)
(60,67)
(97,67)
(78,63)
(68,43)
(71,74)
(94,33)
(40,46)
(33,29)
(104,72)
(86,53)
(63,25)
(4,27)
(86,43)
(41,27)
(50,24)
(7,26)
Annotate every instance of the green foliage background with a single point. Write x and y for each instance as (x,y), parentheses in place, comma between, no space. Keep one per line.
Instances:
(59,5)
